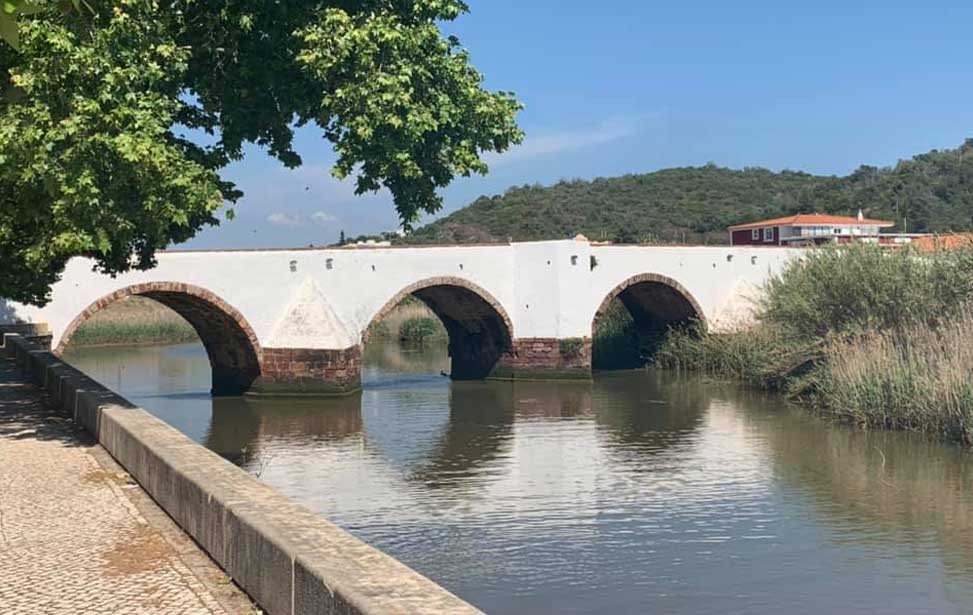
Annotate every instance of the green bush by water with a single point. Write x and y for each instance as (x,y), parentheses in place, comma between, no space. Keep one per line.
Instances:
(616,340)
(767,356)
(134,320)
(866,288)
(876,337)
(917,378)
(418,329)
(113,333)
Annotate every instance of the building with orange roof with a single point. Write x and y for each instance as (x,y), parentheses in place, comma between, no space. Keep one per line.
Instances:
(808,230)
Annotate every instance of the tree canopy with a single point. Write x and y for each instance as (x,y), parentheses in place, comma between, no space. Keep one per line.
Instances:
(97,100)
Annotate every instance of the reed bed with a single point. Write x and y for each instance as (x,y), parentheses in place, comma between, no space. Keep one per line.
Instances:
(134,320)
(766,356)
(878,338)
(411,321)
(916,378)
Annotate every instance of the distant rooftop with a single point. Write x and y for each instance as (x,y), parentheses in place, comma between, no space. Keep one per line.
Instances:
(814,220)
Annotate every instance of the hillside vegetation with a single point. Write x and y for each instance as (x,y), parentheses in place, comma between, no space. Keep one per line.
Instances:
(931,192)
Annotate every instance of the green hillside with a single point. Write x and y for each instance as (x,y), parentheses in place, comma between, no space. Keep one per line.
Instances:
(930,192)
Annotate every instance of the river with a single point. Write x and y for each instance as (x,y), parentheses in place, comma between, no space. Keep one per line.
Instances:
(640,492)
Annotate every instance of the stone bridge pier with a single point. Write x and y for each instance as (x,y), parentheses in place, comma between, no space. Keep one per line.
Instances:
(294,322)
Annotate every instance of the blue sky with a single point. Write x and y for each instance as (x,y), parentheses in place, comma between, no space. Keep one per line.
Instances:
(625,86)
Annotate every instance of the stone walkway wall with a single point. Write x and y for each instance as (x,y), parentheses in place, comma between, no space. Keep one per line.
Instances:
(77,535)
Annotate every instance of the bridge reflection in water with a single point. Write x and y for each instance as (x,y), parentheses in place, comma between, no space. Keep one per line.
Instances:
(637,492)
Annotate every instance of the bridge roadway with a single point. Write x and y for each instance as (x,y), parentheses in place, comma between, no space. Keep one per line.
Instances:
(294,321)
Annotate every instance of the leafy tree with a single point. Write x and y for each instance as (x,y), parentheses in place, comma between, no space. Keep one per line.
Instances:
(96,106)
(9,11)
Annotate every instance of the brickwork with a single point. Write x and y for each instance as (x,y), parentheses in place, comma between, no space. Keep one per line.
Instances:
(480,330)
(230,342)
(669,299)
(546,358)
(309,371)
(443,281)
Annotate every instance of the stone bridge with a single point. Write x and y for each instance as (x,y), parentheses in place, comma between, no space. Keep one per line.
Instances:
(294,321)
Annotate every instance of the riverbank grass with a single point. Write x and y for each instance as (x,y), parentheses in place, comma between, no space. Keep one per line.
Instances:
(411,322)
(875,337)
(134,320)
(915,378)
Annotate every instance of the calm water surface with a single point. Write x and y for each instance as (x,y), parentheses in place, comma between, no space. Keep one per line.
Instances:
(642,492)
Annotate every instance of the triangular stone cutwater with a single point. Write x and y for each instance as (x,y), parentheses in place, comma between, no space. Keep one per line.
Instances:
(310,322)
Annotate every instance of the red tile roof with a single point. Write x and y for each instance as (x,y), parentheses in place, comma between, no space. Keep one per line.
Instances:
(812,220)
(951,241)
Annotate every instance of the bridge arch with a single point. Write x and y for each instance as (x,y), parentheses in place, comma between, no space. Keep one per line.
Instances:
(656,303)
(233,349)
(480,330)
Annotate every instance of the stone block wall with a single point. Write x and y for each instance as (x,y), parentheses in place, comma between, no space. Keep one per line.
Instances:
(39,334)
(309,371)
(538,358)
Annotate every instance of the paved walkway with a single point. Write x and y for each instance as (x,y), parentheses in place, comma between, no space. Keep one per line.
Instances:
(78,536)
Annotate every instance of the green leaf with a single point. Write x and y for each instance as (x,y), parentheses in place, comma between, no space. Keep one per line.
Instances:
(8,30)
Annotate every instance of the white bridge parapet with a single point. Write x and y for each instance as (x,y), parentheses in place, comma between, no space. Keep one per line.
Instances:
(294,320)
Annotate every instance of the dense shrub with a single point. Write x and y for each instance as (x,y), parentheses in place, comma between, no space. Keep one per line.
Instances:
(419,329)
(397,325)
(866,288)
(880,338)
(616,340)
(767,355)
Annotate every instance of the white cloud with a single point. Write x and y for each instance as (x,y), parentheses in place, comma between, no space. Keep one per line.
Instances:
(544,144)
(322,218)
(282,219)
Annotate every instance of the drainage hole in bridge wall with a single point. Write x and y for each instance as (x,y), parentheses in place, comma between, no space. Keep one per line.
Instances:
(373,267)
(729,258)
(329,263)
(293,266)
(461,266)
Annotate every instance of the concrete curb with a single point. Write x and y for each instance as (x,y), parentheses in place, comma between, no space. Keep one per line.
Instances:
(288,559)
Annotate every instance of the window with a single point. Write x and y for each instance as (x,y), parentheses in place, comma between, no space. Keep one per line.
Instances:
(755,234)
(769,233)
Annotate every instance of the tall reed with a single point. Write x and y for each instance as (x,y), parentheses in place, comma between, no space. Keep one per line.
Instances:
(767,356)
(876,337)
(919,377)
(134,320)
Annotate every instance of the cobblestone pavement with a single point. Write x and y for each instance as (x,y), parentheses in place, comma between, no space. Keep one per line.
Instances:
(78,536)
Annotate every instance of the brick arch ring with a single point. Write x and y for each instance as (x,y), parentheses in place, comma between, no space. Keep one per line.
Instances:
(489,299)
(658,279)
(170,288)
